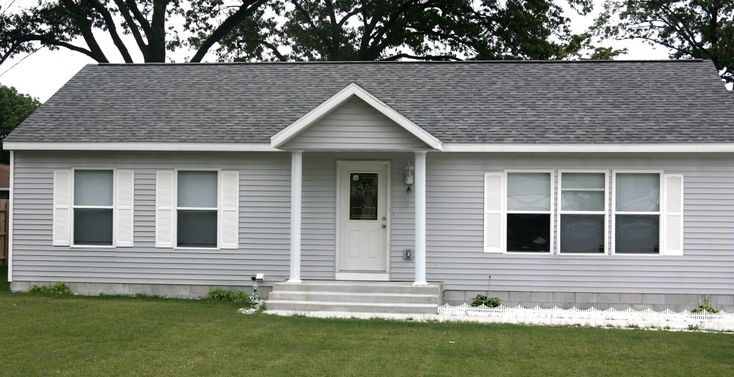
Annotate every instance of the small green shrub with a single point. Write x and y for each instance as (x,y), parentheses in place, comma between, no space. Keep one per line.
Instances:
(704,305)
(228,295)
(58,289)
(490,302)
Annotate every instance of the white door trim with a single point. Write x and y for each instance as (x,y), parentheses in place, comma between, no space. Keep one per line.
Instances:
(340,166)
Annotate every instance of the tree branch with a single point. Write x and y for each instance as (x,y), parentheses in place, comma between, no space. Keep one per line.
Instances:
(125,12)
(85,27)
(112,28)
(421,57)
(226,27)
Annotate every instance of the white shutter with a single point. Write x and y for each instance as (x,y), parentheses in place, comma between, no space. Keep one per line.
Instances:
(62,207)
(164,208)
(124,191)
(229,193)
(493,214)
(672,215)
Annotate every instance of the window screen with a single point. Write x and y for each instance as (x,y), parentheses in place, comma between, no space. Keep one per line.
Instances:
(583,213)
(197,212)
(637,218)
(93,207)
(528,212)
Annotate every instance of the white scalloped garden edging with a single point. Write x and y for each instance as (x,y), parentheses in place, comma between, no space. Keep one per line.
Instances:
(627,318)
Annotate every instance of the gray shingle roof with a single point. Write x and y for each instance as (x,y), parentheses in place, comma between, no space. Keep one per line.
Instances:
(471,102)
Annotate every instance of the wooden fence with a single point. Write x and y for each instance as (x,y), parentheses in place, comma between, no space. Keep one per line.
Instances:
(4,205)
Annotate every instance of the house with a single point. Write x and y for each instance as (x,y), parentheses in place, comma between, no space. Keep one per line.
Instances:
(546,183)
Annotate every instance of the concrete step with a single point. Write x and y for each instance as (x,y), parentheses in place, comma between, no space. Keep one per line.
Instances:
(360,287)
(326,306)
(380,297)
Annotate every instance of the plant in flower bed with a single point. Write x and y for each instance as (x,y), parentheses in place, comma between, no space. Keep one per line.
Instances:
(705,306)
(490,302)
(230,295)
(58,289)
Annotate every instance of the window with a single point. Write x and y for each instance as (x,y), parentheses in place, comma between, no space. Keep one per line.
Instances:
(583,213)
(93,207)
(529,212)
(637,213)
(197,209)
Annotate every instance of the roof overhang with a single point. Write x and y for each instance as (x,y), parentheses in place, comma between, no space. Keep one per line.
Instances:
(352,90)
(139,146)
(592,148)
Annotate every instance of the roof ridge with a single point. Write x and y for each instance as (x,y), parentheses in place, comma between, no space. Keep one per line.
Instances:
(319,62)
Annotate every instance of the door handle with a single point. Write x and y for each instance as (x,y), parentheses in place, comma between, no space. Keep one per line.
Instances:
(384,222)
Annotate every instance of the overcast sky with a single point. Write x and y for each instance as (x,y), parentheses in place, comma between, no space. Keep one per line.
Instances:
(41,74)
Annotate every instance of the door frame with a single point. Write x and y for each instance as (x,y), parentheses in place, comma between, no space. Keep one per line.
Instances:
(341,165)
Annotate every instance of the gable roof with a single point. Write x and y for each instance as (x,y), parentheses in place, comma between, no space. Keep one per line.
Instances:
(586,102)
(352,90)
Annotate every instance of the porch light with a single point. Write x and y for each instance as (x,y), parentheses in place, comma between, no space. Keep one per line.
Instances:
(409,176)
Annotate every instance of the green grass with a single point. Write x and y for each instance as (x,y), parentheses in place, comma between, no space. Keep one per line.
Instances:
(105,336)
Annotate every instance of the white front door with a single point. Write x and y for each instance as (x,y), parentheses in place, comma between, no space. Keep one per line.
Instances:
(362,223)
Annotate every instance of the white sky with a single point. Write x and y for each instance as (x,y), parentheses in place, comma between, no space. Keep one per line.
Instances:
(41,74)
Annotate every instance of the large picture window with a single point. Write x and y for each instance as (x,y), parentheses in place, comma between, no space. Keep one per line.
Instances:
(637,213)
(529,202)
(197,209)
(93,207)
(583,213)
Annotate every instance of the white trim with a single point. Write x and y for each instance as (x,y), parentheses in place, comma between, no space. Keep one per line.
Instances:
(664,250)
(140,146)
(352,90)
(367,164)
(296,203)
(500,212)
(550,211)
(10,217)
(560,211)
(176,208)
(420,217)
(614,212)
(592,148)
(74,206)
(362,276)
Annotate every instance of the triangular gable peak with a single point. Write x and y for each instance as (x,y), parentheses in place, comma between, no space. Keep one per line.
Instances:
(354,119)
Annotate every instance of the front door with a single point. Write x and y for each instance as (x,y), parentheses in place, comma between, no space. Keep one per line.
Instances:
(362,223)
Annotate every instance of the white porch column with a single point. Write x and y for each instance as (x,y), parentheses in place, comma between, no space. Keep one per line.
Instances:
(296,188)
(420,218)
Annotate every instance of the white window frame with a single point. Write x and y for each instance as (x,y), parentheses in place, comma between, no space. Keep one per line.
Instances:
(659,212)
(113,207)
(218,208)
(605,212)
(506,212)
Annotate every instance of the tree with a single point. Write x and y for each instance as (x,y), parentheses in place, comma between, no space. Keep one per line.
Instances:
(702,29)
(414,29)
(63,23)
(14,108)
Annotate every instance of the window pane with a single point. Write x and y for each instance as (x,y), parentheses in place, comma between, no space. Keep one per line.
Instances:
(582,233)
(93,187)
(197,189)
(638,192)
(197,228)
(528,192)
(528,232)
(583,181)
(363,196)
(582,200)
(637,234)
(92,226)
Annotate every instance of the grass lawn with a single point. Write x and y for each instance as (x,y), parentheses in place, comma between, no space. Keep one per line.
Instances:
(139,336)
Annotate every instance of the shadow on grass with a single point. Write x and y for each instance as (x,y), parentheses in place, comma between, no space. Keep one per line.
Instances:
(4,285)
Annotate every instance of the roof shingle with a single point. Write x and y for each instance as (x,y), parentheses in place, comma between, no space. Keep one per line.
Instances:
(466,102)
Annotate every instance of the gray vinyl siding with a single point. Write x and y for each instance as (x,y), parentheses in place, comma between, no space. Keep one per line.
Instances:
(455,256)
(264,240)
(455,195)
(355,125)
(264,222)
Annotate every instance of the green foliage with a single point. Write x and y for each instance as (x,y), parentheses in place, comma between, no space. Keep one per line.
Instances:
(701,29)
(14,108)
(704,305)
(490,302)
(228,295)
(58,289)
